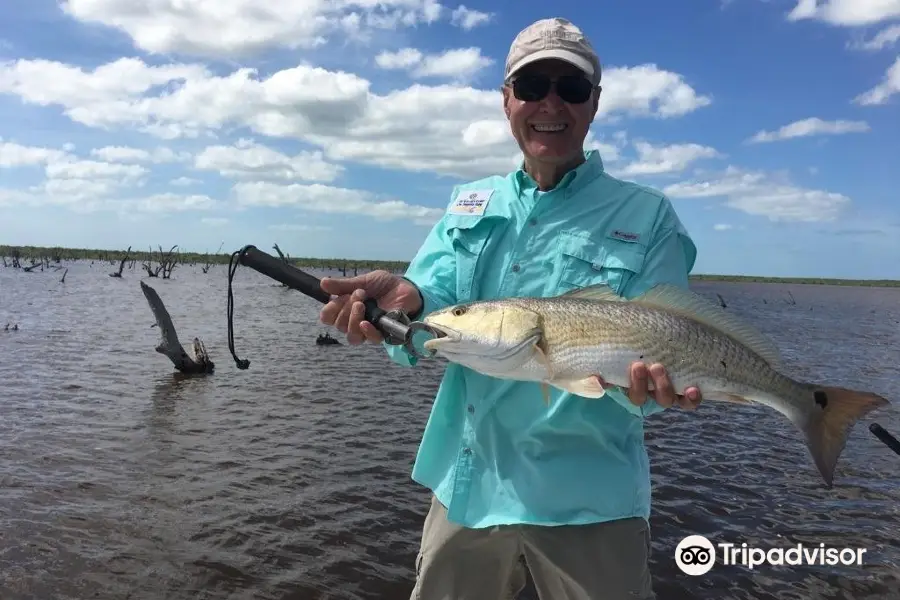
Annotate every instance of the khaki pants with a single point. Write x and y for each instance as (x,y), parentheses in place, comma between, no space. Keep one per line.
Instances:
(606,561)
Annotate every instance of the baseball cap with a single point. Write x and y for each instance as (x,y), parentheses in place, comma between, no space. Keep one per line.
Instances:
(553,38)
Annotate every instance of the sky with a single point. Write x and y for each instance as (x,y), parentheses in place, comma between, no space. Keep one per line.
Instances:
(338,128)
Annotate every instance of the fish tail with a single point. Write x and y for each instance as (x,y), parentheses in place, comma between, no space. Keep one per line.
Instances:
(834,412)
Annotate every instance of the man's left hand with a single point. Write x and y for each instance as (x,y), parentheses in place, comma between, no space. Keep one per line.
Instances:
(663,392)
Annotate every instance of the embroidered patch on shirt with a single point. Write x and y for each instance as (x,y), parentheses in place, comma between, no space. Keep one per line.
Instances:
(471,202)
(627,236)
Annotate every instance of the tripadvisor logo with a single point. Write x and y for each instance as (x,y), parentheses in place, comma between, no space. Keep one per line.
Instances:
(696,555)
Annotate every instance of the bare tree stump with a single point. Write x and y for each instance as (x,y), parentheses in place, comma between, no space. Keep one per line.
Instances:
(169,345)
(121,264)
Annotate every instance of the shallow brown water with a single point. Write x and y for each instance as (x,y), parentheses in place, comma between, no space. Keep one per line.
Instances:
(291,480)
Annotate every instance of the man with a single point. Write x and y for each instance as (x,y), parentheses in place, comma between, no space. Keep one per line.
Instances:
(566,486)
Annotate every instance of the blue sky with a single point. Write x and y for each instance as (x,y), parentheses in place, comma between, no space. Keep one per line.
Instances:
(336,131)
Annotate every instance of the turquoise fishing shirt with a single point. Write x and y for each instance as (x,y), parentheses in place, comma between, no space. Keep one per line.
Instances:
(493,452)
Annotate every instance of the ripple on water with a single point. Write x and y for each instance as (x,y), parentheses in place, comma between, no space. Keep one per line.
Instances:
(291,479)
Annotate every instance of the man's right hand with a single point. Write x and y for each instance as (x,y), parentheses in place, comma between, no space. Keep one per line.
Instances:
(346,310)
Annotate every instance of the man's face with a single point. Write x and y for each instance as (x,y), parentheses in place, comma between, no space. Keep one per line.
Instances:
(549,130)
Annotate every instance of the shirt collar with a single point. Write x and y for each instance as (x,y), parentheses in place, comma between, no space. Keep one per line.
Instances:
(571,181)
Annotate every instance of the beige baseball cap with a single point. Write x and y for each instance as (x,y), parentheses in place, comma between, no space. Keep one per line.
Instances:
(553,38)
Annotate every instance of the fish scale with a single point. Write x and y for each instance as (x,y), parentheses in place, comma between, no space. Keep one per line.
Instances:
(568,341)
(600,338)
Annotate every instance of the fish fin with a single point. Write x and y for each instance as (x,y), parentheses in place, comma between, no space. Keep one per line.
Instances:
(597,292)
(733,398)
(589,387)
(541,348)
(542,358)
(690,304)
(835,412)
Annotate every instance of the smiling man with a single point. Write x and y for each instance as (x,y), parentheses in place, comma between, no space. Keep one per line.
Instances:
(563,489)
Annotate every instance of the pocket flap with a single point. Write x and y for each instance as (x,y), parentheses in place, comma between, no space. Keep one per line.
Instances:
(611,253)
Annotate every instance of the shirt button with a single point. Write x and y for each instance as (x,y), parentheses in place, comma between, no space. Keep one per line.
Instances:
(471,408)
(532,222)
(467,451)
(515,268)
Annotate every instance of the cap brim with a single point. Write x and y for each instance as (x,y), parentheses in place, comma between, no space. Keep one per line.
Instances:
(573,59)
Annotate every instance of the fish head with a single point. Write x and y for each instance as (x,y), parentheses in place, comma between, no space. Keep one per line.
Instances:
(491,337)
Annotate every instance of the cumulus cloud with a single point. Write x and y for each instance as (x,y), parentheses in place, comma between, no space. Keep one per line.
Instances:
(448,129)
(13,154)
(236,28)
(457,64)
(659,160)
(127,154)
(321,198)
(247,158)
(810,127)
(763,194)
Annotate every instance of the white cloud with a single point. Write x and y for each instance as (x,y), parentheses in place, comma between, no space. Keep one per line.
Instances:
(647,90)
(295,227)
(761,194)
(809,127)
(233,28)
(658,160)
(167,202)
(215,221)
(13,155)
(321,198)
(458,64)
(127,154)
(246,158)
(447,129)
(722,226)
(849,13)
(87,196)
(467,18)
(885,38)
(184,181)
(92,169)
(881,93)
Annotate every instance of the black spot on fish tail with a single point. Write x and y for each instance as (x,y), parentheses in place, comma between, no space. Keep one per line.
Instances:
(827,428)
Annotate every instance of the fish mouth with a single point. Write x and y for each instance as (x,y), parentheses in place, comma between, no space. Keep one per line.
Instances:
(450,337)
(442,337)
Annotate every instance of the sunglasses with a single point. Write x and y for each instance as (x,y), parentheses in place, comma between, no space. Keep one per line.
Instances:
(572,89)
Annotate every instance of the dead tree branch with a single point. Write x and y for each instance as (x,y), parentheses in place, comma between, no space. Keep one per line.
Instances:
(205,268)
(121,264)
(167,263)
(169,345)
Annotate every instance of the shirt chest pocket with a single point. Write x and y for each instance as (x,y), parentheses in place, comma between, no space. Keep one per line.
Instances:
(588,261)
(471,238)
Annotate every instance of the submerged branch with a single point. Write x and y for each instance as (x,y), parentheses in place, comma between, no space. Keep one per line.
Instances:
(169,344)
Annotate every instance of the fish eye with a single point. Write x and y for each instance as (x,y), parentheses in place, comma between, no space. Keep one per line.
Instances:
(459,311)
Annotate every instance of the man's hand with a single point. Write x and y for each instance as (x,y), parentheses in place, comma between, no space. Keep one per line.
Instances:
(663,392)
(346,310)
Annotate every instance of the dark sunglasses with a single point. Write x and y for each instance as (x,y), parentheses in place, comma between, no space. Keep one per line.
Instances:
(572,89)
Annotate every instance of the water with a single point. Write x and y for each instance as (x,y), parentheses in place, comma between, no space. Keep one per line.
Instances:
(120,480)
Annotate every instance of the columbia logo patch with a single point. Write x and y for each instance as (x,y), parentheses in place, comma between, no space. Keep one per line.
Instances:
(627,236)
